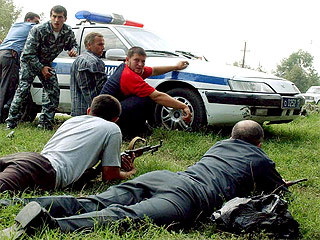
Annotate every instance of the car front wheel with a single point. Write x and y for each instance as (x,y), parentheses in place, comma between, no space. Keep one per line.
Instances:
(172,118)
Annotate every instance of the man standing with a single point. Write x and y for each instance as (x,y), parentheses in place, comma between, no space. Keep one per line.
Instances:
(10,52)
(78,145)
(87,74)
(45,42)
(235,167)
(137,97)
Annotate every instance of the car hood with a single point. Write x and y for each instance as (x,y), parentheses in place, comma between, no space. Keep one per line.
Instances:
(204,69)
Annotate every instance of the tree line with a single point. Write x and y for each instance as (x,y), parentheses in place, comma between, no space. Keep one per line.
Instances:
(8,15)
(298,68)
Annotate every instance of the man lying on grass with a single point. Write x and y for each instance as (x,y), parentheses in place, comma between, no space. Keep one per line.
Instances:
(79,144)
(235,167)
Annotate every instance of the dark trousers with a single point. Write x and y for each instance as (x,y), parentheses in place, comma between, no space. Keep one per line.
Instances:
(9,78)
(135,112)
(163,196)
(24,170)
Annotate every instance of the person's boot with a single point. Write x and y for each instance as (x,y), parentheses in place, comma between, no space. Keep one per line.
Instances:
(11,125)
(30,218)
(45,126)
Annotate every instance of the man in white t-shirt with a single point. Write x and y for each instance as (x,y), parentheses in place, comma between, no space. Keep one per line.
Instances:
(79,144)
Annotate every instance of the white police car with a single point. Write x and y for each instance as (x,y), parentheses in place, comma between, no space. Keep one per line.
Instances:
(312,95)
(216,94)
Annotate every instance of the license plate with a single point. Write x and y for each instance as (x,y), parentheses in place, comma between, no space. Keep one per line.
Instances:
(290,102)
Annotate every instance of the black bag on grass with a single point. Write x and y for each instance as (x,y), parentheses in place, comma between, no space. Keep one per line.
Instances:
(268,213)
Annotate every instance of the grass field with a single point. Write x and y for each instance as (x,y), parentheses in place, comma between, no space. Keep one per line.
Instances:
(294,147)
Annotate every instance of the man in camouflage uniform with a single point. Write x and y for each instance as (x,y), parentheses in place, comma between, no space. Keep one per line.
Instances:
(45,42)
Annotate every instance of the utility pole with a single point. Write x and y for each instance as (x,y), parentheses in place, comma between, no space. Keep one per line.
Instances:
(244,54)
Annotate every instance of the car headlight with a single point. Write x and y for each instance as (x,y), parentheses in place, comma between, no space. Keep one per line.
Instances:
(245,86)
(309,98)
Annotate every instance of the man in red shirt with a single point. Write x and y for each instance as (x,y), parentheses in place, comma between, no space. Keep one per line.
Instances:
(136,96)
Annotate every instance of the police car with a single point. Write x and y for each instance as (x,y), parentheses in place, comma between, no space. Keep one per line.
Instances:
(312,95)
(216,94)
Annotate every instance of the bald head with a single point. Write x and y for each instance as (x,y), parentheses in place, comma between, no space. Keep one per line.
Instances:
(249,131)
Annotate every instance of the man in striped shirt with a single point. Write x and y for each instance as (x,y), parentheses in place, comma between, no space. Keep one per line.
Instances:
(87,74)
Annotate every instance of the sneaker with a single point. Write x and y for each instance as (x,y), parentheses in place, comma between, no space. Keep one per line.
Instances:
(29,213)
(33,216)
(11,125)
(10,134)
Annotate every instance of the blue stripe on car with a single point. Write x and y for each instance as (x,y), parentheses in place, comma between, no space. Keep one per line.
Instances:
(64,68)
(192,77)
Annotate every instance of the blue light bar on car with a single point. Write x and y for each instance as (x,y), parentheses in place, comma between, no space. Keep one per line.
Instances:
(100,18)
(105,18)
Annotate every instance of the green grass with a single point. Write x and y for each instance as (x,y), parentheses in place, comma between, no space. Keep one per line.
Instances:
(294,147)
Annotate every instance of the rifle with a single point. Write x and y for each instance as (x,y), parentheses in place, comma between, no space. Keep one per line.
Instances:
(290,183)
(93,172)
(141,150)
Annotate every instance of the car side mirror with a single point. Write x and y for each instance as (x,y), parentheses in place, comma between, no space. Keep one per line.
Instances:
(115,55)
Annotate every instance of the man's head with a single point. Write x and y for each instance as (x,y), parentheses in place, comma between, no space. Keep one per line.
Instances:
(136,58)
(32,17)
(94,42)
(249,131)
(58,16)
(106,107)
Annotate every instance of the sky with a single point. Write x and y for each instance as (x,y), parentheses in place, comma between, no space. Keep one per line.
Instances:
(216,29)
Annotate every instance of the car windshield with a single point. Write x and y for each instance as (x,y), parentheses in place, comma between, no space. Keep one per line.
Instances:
(147,40)
(314,90)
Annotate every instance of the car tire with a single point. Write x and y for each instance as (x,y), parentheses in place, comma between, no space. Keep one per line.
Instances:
(171,118)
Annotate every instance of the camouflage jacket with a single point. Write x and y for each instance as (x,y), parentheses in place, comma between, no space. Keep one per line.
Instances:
(42,47)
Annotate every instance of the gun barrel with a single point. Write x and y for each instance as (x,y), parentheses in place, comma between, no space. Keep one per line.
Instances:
(290,183)
(148,148)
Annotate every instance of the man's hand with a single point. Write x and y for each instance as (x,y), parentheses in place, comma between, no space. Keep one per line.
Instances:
(127,162)
(47,72)
(182,65)
(72,53)
(158,70)
(186,114)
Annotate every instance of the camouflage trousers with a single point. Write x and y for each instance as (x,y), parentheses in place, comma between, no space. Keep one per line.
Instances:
(50,96)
